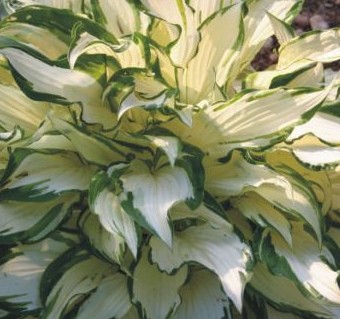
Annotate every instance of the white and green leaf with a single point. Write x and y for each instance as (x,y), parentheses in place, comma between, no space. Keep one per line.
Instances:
(202,297)
(180,14)
(151,195)
(31,221)
(197,80)
(17,109)
(94,148)
(303,263)
(155,292)
(21,273)
(283,31)
(110,245)
(218,249)
(74,275)
(34,175)
(318,46)
(283,293)
(120,17)
(61,85)
(107,205)
(258,115)
(113,297)
(262,212)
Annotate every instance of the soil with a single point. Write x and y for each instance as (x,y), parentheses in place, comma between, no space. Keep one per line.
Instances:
(315,15)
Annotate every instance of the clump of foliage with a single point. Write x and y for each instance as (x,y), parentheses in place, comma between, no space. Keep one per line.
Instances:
(148,172)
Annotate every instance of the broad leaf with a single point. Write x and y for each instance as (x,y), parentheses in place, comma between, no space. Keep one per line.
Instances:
(21,273)
(92,147)
(109,244)
(17,109)
(107,205)
(297,200)
(120,17)
(283,293)
(113,297)
(218,249)
(39,80)
(35,175)
(311,151)
(321,46)
(254,120)
(322,125)
(31,221)
(70,277)
(303,263)
(238,175)
(181,15)
(263,213)
(39,38)
(150,195)
(317,180)
(258,114)
(197,80)
(156,292)
(306,74)
(202,297)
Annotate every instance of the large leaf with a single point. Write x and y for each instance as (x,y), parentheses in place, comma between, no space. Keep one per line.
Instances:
(253,120)
(17,109)
(21,273)
(321,46)
(258,114)
(41,80)
(107,205)
(156,292)
(303,263)
(94,148)
(311,151)
(71,276)
(120,17)
(218,249)
(30,221)
(150,195)
(127,53)
(282,292)
(322,125)
(113,297)
(262,212)
(181,15)
(297,200)
(39,38)
(35,175)
(109,244)
(288,193)
(256,30)
(300,74)
(197,81)
(317,180)
(239,175)
(202,297)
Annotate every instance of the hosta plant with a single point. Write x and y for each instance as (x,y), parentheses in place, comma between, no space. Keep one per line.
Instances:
(147,171)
